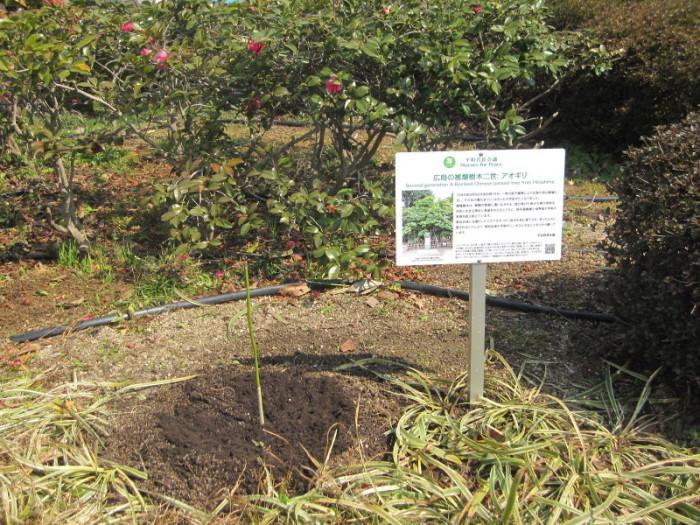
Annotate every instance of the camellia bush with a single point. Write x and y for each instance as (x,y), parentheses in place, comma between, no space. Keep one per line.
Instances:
(46,53)
(202,83)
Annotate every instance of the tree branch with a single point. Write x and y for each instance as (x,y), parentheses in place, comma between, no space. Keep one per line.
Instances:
(115,110)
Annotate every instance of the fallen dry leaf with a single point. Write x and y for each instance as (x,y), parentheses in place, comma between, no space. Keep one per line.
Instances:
(387,295)
(418,302)
(295,290)
(372,302)
(13,351)
(72,304)
(349,345)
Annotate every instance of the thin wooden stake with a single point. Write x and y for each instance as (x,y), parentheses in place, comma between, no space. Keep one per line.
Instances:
(254,347)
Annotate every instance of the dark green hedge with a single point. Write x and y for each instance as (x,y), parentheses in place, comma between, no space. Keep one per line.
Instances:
(655,247)
(655,81)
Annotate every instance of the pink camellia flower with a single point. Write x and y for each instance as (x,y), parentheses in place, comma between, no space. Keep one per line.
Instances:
(161,59)
(219,274)
(127,27)
(477,9)
(333,85)
(145,51)
(255,47)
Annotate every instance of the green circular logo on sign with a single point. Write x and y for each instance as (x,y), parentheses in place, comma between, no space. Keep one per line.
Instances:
(449,162)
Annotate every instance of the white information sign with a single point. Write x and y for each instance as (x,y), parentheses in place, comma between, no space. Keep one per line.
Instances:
(486,206)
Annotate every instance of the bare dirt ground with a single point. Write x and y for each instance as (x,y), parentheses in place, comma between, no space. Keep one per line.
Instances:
(199,440)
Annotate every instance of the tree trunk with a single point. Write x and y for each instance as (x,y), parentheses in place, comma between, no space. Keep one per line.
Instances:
(70,225)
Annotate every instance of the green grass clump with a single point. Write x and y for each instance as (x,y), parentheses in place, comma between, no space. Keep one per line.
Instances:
(520,456)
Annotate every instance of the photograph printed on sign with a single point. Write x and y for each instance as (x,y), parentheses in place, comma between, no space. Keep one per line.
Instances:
(427,221)
(479,206)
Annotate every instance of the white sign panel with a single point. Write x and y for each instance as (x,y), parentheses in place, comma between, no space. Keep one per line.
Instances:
(485,206)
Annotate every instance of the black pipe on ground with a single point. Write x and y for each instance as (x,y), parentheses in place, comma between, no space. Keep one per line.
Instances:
(155,310)
(509,305)
(318,284)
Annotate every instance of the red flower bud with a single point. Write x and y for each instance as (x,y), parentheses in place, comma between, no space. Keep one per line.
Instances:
(386,10)
(333,85)
(145,51)
(254,104)
(127,27)
(255,47)
(54,3)
(477,9)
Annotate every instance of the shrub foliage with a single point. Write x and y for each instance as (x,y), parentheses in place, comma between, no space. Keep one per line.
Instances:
(655,79)
(178,72)
(655,244)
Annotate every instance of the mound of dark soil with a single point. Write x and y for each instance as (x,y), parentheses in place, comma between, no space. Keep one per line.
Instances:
(201,440)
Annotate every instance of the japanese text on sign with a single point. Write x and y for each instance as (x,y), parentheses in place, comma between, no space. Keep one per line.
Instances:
(479,206)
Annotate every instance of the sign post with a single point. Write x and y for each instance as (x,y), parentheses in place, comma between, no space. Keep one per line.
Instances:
(477,330)
(479,207)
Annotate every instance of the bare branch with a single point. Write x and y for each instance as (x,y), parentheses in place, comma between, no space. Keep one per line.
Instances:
(112,108)
(541,95)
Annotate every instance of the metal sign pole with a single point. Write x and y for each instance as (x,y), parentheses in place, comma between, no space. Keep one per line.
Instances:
(477,330)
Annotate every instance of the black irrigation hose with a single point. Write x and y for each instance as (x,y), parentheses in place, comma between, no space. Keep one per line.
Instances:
(508,305)
(319,284)
(155,310)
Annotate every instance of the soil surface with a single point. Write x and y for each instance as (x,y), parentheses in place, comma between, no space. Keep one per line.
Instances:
(201,441)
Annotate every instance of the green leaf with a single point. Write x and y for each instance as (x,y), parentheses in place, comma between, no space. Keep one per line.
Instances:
(182,249)
(331,253)
(198,211)
(86,41)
